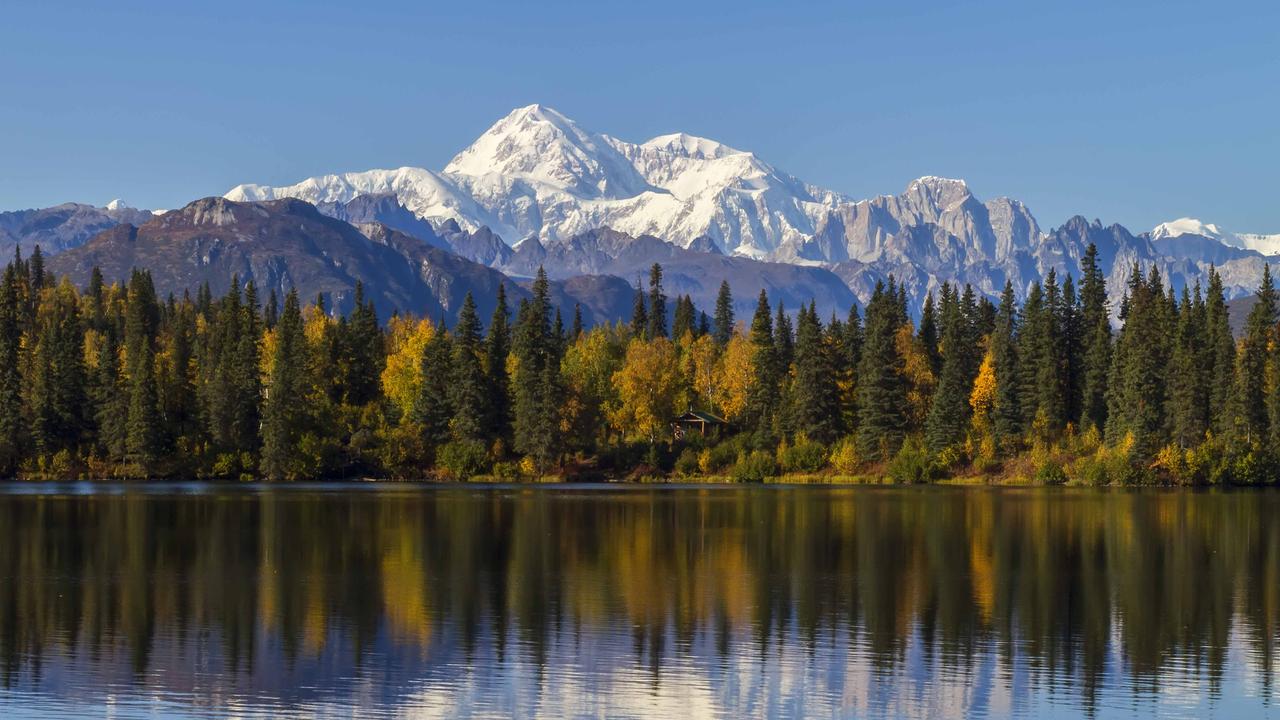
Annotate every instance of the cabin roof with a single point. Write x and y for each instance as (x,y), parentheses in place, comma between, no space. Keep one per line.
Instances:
(695,416)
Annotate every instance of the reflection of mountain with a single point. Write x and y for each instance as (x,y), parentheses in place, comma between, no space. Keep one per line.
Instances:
(636,602)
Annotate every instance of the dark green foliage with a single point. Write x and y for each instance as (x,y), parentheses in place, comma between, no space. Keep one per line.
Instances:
(433,408)
(762,397)
(468,394)
(683,320)
(1137,386)
(10,380)
(1007,410)
(640,314)
(928,333)
(537,388)
(783,340)
(1251,412)
(949,414)
(283,412)
(724,314)
(882,390)
(497,347)
(657,304)
(815,398)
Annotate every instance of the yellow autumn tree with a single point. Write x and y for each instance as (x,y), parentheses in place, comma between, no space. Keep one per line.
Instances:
(983,397)
(734,373)
(402,377)
(647,386)
(588,368)
(702,356)
(918,374)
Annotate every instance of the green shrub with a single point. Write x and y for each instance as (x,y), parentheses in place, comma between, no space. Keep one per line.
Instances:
(463,459)
(753,467)
(1050,472)
(507,471)
(716,459)
(913,463)
(687,463)
(805,455)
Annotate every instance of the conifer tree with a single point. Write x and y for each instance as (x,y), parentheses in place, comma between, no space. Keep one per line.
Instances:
(783,340)
(1188,396)
(762,396)
(683,320)
(1251,381)
(1219,355)
(639,314)
(882,392)
(815,396)
(928,332)
(142,429)
(1138,383)
(1007,410)
(575,331)
(949,414)
(433,408)
(283,412)
(537,389)
(10,381)
(657,304)
(497,347)
(724,314)
(467,387)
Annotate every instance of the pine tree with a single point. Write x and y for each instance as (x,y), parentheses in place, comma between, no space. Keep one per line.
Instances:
(11,442)
(537,391)
(882,391)
(928,332)
(283,412)
(433,408)
(783,340)
(639,314)
(497,347)
(362,355)
(142,428)
(1138,382)
(949,414)
(762,395)
(56,386)
(576,331)
(1007,411)
(1188,397)
(816,398)
(1251,381)
(1219,355)
(683,319)
(467,387)
(724,314)
(657,304)
(1095,342)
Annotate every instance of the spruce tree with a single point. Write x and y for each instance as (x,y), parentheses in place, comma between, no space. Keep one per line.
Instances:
(815,396)
(683,319)
(882,390)
(575,330)
(949,414)
(1219,355)
(283,411)
(1251,378)
(783,341)
(1188,396)
(537,391)
(11,425)
(467,388)
(639,314)
(657,304)
(1138,383)
(724,314)
(762,394)
(928,332)
(497,347)
(1007,411)
(433,407)
(142,429)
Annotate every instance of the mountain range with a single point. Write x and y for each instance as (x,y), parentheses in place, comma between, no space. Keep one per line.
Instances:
(537,189)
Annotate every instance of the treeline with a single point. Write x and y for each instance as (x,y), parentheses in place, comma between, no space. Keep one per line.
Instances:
(113,381)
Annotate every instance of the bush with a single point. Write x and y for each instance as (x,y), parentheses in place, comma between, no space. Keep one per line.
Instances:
(912,464)
(753,467)
(688,462)
(807,456)
(1050,472)
(507,471)
(463,459)
(716,459)
(844,456)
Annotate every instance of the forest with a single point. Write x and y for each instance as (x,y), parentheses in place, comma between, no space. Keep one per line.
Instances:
(113,381)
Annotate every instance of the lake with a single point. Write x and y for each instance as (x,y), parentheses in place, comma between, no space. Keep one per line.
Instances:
(461,601)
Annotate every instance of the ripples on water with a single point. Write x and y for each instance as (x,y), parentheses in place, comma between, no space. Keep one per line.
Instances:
(192,600)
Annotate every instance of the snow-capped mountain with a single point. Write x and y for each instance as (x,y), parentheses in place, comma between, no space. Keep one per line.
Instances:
(536,172)
(1265,244)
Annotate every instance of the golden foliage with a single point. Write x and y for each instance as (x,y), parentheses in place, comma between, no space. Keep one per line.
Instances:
(734,374)
(647,387)
(919,376)
(983,397)
(402,377)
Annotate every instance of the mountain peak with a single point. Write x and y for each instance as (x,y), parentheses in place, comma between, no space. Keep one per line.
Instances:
(692,146)
(541,146)
(933,182)
(118,204)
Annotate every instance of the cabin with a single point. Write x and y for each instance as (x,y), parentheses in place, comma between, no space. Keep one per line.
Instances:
(693,421)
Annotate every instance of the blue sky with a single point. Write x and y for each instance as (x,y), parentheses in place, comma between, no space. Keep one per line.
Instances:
(1135,114)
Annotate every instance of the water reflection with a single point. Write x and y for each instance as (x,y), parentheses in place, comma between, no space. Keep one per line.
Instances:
(693,602)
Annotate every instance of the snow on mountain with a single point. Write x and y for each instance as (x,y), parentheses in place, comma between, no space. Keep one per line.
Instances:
(1265,244)
(536,172)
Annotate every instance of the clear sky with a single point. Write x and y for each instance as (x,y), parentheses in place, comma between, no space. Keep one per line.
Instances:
(1129,112)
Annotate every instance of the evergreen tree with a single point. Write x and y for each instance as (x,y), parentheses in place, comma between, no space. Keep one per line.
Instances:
(283,412)
(467,388)
(1137,386)
(783,340)
(928,332)
(1188,392)
(497,347)
(816,398)
(882,391)
(56,385)
(142,429)
(433,408)
(1219,355)
(1251,381)
(762,395)
(1007,410)
(949,414)
(362,355)
(724,314)
(657,304)
(576,331)
(1095,342)
(11,442)
(537,390)
(639,314)
(683,320)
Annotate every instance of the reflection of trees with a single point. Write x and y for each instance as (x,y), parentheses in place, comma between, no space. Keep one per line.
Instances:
(1047,576)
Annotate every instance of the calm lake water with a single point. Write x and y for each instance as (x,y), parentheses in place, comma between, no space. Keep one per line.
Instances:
(345,600)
